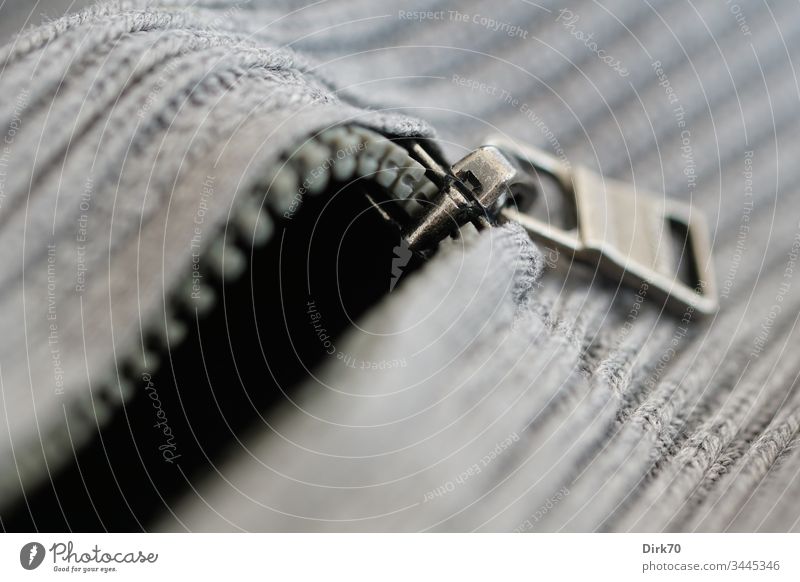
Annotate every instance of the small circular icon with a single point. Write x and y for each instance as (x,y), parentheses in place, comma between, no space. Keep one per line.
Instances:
(31,555)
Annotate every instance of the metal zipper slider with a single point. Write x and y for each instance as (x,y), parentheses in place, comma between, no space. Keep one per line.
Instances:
(474,190)
(627,234)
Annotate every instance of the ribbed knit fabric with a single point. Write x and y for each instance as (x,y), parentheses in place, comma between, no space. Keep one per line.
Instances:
(530,400)
(129,133)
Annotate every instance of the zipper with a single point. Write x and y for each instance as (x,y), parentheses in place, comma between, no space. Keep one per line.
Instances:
(425,200)
(624,233)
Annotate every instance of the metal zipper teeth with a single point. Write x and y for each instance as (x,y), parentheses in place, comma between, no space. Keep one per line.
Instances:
(337,155)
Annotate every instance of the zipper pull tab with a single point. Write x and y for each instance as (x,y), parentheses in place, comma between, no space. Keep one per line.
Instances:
(628,235)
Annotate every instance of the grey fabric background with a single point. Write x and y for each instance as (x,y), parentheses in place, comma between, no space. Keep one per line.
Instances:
(532,400)
(19,15)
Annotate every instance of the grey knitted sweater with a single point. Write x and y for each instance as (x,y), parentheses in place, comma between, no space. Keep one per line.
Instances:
(501,391)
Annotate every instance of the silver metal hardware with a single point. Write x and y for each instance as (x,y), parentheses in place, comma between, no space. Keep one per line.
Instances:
(473,191)
(628,235)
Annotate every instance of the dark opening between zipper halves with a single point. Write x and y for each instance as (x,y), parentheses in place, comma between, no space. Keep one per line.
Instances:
(336,256)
